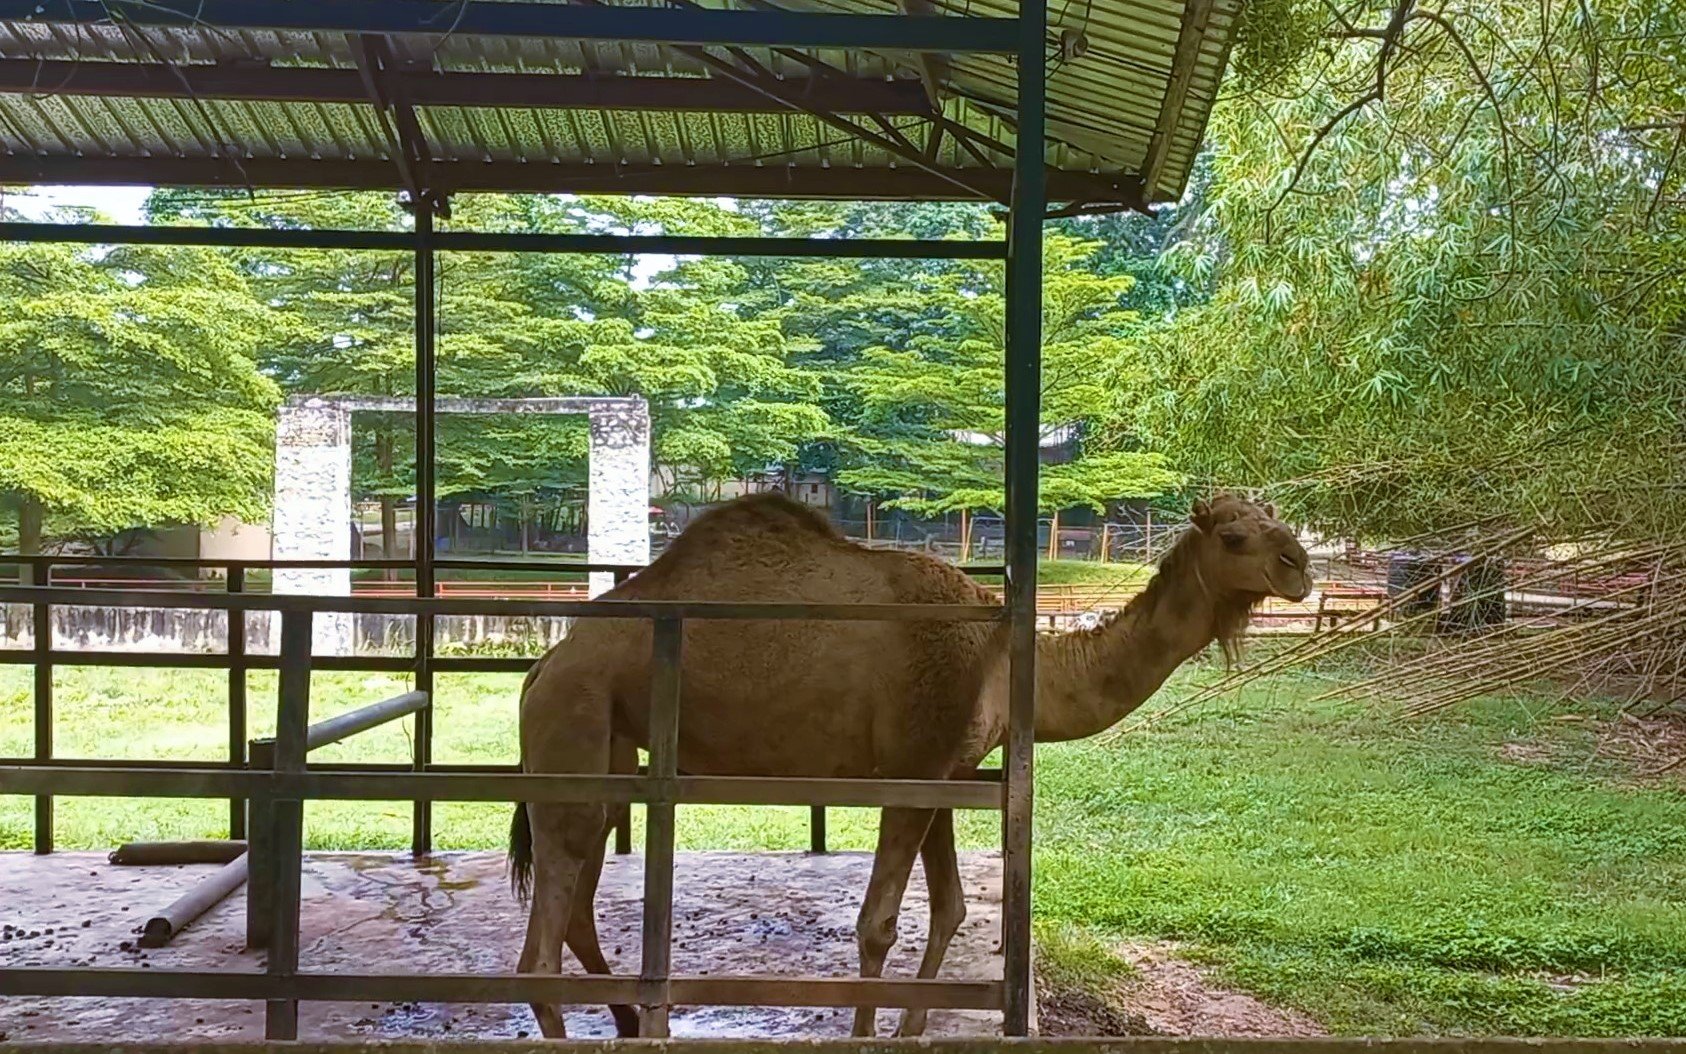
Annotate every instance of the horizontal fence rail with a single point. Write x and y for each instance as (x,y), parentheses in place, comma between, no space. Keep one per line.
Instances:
(715,990)
(123,780)
(617,609)
(536,563)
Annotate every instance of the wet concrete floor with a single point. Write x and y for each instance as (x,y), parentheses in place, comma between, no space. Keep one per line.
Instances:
(771,913)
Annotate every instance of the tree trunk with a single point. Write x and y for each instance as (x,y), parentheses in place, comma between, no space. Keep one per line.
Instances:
(29,535)
(965,536)
(1054,535)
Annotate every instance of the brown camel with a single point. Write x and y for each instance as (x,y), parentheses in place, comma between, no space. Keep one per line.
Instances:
(848,699)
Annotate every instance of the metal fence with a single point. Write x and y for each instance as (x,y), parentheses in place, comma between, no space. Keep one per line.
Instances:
(278,784)
(282,789)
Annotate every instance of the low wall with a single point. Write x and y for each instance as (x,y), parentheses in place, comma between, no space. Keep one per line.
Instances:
(195,631)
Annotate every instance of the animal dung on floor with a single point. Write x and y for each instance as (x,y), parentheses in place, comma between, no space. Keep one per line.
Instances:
(734,913)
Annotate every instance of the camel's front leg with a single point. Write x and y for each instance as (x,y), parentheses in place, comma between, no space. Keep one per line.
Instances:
(900,832)
(948,907)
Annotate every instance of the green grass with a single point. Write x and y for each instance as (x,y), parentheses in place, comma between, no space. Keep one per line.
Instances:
(1086,572)
(1384,877)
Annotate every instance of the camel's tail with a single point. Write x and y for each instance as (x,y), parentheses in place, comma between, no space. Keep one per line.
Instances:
(521,853)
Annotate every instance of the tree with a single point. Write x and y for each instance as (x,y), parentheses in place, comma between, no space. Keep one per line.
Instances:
(1450,270)
(930,428)
(1133,244)
(129,391)
(724,399)
(347,317)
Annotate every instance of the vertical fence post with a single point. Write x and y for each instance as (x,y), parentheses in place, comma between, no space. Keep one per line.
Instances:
(41,574)
(623,814)
(237,697)
(658,820)
(260,850)
(1024,387)
(292,719)
(816,829)
(421,828)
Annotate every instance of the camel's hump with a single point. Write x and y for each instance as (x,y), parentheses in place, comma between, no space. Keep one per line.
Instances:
(770,512)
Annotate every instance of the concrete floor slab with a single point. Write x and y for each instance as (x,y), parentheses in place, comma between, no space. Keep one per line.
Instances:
(773,913)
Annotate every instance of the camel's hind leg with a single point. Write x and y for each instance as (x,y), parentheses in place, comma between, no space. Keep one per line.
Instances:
(562,838)
(948,907)
(582,930)
(900,833)
(571,738)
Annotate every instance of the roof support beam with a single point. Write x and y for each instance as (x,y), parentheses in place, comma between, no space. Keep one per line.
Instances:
(908,183)
(492,241)
(409,154)
(1195,15)
(156,80)
(751,74)
(933,76)
(512,18)
(933,67)
(404,133)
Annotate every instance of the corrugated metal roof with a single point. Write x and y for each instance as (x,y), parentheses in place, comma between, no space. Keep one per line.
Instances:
(1106,107)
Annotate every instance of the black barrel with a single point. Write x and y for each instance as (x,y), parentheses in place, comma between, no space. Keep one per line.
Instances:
(1405,572)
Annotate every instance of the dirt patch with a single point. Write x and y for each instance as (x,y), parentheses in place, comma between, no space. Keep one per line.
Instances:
(1646,749)
(1166,995)
(1654,746)
(1523,752)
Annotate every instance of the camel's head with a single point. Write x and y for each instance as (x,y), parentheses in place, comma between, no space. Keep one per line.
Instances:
(1246,553)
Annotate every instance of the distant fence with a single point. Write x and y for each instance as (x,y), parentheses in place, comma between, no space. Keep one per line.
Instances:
(194,631)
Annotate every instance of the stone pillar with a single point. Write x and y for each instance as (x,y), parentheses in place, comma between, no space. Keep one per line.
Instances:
(312,519)
(618,505)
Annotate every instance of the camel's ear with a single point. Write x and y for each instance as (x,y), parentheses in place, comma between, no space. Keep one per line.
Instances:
(1201,517)
(1270,509)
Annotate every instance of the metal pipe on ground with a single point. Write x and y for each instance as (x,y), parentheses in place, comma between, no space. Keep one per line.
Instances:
(160,928)
(159,854)
(346,725)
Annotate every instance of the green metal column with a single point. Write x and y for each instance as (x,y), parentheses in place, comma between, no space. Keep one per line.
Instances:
(41,574)
(292,721)
(422,530)
(1024,388)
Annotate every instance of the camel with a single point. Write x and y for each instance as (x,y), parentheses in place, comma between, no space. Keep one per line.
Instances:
(924,700)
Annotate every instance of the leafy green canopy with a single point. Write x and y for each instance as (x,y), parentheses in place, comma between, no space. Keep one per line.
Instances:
(129,390)
(912,352)
(1450,269)
(724,398)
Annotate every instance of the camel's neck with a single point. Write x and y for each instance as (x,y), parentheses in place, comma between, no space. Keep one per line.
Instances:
(1088,681)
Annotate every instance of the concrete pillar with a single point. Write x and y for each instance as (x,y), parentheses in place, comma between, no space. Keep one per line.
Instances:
(312,519)
(618,505)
